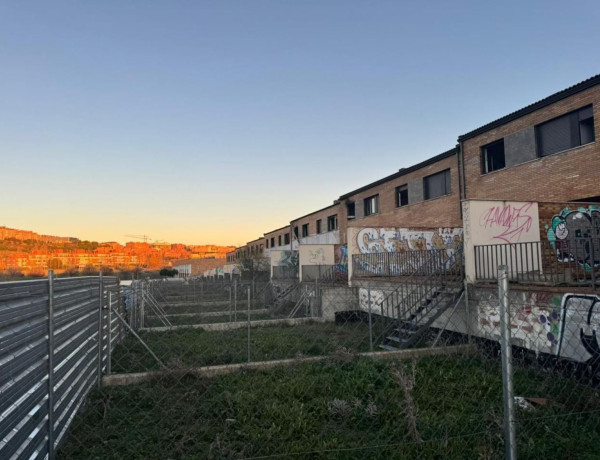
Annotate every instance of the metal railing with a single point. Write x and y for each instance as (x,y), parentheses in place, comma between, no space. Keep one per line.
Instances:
(541,262)
(56,339)
(285,273)
(325,273)
(405,263)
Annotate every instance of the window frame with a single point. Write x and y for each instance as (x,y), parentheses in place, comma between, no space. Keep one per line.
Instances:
(447,184)
(485,156)
(371,205)
(401,188)
(353,205)
(319,226)
(304,230)
(332,223)
(574,119)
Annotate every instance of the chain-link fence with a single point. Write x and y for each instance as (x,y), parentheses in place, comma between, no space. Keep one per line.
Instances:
(406,367)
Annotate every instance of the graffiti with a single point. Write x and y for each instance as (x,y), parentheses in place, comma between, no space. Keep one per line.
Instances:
(288,259)
(377,240)
(510,220)
(575,236)
(534,320)
(579,328)
(376,298)
(399,240)
(316,257)
(567,325)
(341,254)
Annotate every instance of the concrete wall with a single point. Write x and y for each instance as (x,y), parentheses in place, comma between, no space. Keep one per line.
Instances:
(316,254)
(376,240)
(497,222)
(336,299)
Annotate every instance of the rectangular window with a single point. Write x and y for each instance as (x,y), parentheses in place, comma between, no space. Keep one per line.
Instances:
(492,157)
(267,243)
(279,240)
(401,195)
(436,185)
(566,132)
(372,205)
(296,232)
(286,238)
(332,223)
(304,230)
(319,226)
(273,241)
(351,210)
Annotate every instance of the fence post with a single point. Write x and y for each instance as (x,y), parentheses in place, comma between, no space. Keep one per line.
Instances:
(370,322)
(101,289)
(248,321)
(51,364)
(507,369)
(234,300)
(109,333)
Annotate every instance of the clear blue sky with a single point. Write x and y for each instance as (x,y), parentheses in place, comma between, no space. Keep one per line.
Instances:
(214,122)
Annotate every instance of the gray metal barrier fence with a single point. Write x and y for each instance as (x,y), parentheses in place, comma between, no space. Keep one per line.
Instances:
(50,356)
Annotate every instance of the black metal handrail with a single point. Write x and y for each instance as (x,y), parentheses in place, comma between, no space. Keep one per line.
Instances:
(564,263)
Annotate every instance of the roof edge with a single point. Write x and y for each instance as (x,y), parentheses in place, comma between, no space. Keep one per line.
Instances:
(553,98)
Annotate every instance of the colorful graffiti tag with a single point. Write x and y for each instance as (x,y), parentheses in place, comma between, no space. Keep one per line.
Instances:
(288,259)
(375,297)
(534,322)
(376,240)
(399,240)
(575,236)
(563,325)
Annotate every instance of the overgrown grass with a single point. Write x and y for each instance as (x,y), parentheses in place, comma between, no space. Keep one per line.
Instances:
(342,408)
(203,319)
(195,347)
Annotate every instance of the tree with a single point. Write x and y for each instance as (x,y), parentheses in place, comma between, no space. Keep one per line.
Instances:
(168,272)
(251,265)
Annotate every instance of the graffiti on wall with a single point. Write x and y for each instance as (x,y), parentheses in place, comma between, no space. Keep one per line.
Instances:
(534,321)
(341,254)
(509,223)
(375,297)
(398,240)
(575,236)
(564,325)
(316,257)
(579,328)
(377,240)
(288,259)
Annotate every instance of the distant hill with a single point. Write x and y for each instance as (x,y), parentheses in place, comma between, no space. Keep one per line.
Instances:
(30,252)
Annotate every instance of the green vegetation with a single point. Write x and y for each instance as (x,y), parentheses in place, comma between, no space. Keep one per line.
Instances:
(343,408)
(195,347)
(199,319)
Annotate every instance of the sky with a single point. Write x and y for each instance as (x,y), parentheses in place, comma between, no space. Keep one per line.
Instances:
(214,122)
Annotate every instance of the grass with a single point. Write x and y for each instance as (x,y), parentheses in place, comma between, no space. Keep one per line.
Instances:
(341,408)
(195,347)
(200,319)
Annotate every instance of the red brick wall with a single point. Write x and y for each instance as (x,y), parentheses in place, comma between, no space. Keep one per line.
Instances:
(438,212)
(565,176)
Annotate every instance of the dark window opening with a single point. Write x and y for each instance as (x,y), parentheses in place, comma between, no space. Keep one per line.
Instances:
(286,238)
(372,205)
(304,230)
(319,226)
(332,223)
(401,196)
(279,240)
(351,210)
(272,241)
(437,185)
(566,132)
(296,232)
(492,156)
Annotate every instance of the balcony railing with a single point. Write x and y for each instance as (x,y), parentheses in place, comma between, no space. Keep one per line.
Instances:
(569,263)
(285,273)
(326,273)
(405,263)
